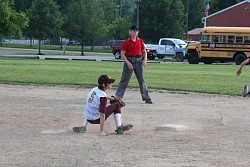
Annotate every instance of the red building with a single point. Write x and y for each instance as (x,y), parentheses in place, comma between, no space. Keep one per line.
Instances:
(237,15)
(234,16)
(194,35)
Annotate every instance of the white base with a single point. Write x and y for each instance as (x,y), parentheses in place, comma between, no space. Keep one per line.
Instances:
(54,131)
(172,127)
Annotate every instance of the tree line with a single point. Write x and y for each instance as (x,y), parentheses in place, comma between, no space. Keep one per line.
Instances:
(88,20)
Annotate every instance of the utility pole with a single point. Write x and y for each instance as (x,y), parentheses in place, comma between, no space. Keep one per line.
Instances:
(137,18)
(187,19)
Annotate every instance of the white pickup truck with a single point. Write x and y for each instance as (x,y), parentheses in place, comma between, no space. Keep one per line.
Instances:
(173,47)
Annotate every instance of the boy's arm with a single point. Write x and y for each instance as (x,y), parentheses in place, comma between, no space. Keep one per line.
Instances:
(238,72)
(102,121)
(102,110)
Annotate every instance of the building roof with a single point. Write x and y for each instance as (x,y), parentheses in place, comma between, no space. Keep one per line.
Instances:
(248,1)
(194,31)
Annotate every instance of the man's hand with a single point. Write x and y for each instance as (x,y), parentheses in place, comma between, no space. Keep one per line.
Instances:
(130,66)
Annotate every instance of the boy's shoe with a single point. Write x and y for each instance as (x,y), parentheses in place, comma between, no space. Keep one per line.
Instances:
(149,101)
(245,91)
(121,129)
(80,129)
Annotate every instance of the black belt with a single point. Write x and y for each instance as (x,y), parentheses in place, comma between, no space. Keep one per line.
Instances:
(134,56)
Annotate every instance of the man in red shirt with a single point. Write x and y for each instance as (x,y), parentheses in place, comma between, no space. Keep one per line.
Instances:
(135,59)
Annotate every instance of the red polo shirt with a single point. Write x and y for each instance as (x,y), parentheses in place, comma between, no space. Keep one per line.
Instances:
(132,48)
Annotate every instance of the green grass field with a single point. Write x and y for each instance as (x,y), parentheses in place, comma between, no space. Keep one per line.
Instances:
(216,79)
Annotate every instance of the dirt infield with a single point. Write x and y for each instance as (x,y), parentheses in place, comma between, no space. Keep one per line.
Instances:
(36,130)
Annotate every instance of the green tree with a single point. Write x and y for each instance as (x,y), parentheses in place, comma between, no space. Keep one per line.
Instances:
(63,4)
(196,11)
(84,21)
(217,5)
(119,28)
(22,5)
(45,20)
(110,10)
(161,19)
(118,20)
(11,22)
(126,8)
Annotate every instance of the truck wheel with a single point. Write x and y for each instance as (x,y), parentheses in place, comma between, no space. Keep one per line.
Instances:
(160,56)
(151,57)
(179,57)
(193,57)
(240,58)
(117,55)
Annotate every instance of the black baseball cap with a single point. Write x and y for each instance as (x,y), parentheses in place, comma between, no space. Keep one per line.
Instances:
(105,79)
(133,27)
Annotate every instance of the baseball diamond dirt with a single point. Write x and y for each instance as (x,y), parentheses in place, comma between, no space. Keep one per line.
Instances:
(36,130)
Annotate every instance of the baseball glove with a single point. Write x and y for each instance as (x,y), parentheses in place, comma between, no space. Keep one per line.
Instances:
(117,99)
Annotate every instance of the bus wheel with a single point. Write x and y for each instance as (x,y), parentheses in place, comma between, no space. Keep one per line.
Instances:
(207,60)
(240,58)
(179,57)
(193,57)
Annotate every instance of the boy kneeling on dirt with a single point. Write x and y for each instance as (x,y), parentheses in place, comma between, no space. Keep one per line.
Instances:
(97,111)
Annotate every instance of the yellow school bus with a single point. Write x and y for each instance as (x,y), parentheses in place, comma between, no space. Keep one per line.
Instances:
(220,44)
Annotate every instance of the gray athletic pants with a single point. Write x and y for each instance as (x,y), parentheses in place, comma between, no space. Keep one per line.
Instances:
(126,75)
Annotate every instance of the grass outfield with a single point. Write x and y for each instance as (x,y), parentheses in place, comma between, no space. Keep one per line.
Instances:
(218,79)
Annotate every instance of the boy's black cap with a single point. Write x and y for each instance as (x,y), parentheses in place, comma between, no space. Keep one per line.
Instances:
(133,27)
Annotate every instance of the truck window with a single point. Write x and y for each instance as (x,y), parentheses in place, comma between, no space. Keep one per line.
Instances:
(163,42)
(170,43)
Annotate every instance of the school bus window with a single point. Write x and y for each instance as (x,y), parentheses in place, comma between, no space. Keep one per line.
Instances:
(239,39)
(230,39)
(205,39)
(221,39)
(246,39)
(215,38)
(224,39)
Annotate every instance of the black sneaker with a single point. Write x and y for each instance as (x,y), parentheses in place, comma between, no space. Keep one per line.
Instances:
(149,101)
(80,129)
(121,129)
